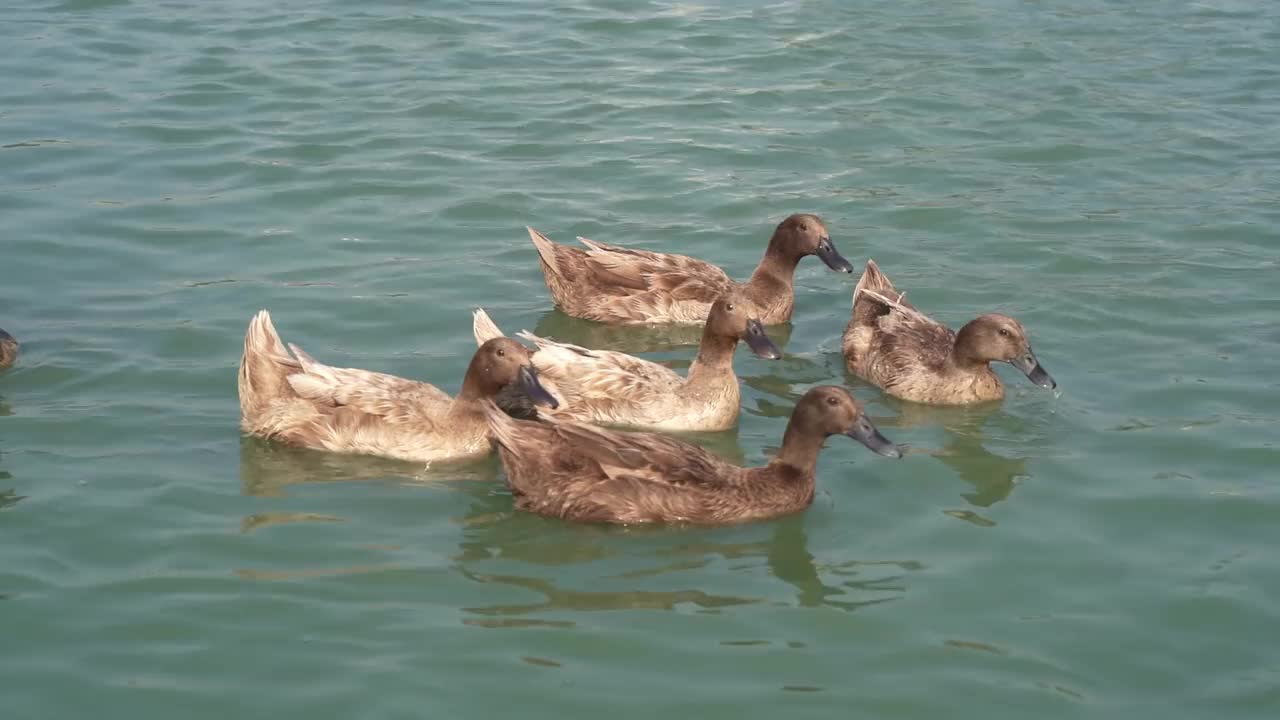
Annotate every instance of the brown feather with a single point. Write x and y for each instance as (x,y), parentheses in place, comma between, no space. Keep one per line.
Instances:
(582,472)
(608,283)
(908,354)
(296,399)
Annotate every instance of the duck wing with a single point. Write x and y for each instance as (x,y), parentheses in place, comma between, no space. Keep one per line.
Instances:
(640,477)
(581,472)
(887,339)
(647,270)
(909,340)
(601,384)
(394,399)
(652,286)
(654,459)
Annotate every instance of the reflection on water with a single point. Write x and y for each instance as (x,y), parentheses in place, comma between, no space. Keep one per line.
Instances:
(267,468)
(787,555)
(789,378)
(251,574)
(589,600)
(993,476)
(9,498)
(665,550)
(267,519)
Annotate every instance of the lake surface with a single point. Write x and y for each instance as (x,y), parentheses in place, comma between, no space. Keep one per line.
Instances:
(1106,171)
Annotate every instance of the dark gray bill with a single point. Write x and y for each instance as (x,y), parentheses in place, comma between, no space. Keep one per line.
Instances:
(538,394)
(833,259)
(760,343)
(1034,371)
(866,433)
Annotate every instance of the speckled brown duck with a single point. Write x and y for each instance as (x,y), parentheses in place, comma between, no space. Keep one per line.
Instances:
(613,388)
(582,472)
(8,350)
(289,396)
(612,284)
(913,357)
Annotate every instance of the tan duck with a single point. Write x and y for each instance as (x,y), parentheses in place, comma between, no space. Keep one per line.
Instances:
(582,472)
(613,388)
(293,398)
(910,356)
(613,284)
(8,349)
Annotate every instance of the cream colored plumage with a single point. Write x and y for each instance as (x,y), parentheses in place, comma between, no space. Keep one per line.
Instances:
(613,388)
(289,396)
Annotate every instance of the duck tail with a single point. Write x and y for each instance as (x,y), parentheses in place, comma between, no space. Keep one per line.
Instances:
(265,367)
(483,327)
(559,263)
(546,252)
(874,280)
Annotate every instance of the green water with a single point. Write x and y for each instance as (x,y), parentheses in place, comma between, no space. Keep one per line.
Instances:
(1103,170)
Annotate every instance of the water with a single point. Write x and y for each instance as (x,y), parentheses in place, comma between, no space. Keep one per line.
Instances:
(1105,171)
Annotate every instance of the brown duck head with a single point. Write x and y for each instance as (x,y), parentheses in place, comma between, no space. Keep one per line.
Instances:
(831,410)
(824,411)
(1000,338)
(501,362)
(802,235)
(729,318)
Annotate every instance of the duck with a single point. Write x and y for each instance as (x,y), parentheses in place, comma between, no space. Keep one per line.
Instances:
(915,358)
(8,350)
(612,284)
(582,472)
(612,388)
(287,395)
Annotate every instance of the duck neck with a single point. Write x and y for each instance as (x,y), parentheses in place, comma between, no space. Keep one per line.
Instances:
(774,277)
(964,361)
(800,447)
(715,356)
(476,386)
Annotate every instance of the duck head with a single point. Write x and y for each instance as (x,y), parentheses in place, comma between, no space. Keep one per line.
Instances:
(729,317)
(501,362)
(831,410)
(1000,338)
(803,234)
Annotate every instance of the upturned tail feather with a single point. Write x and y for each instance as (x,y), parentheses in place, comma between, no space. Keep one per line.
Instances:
(874,280)
(546,251)
(483,327)
(265,365)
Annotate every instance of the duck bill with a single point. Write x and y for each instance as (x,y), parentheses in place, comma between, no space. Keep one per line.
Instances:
(865,432)
(1035,372)
(533,388)
(760,343)
(832,257)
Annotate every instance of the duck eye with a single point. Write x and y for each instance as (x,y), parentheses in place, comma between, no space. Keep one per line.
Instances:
(502,353)
(804,227)
(1004,332)
(729,306)
(832,401)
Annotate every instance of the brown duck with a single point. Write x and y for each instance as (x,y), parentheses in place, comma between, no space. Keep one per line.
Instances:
(291,397)
(613,388)
(8,349)
(910,356)
(581,472)
(613,284)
